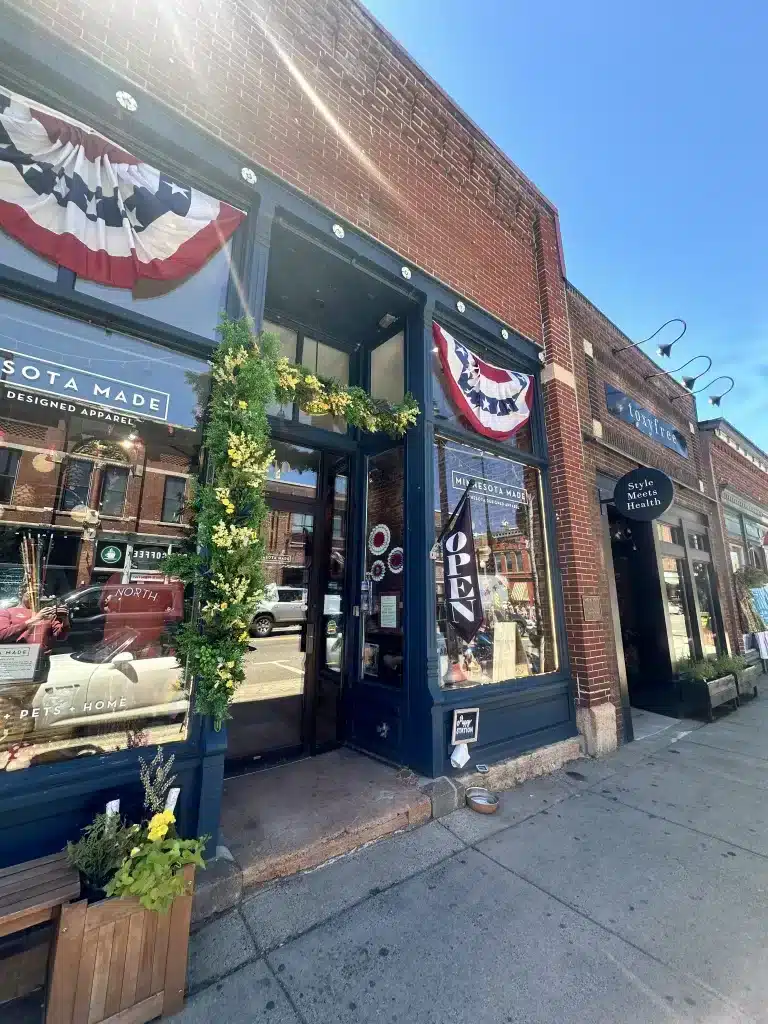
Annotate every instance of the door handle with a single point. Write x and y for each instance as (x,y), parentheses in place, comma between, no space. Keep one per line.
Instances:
(310,639)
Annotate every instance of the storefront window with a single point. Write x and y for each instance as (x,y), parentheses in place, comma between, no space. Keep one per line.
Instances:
(294,472)
(191,303)
(737,555)
(677,608)
(382,598)
(698,541)
(288,349)
(14,254)
(669,534)
(516,638)
(87,619)
(707,628)
(388,370)
(329,363)
(446,411)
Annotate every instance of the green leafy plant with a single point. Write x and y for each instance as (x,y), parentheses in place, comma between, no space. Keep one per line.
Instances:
(730,664)
(697,670)
(229,511)
(153,869)
(101,849)
(706,669)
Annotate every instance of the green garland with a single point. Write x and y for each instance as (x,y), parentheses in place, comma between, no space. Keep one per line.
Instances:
(227,570)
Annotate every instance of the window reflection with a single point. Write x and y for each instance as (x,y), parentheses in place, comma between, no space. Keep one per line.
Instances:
(703,582)
(516,638)
(294,471)
(388,370)
(677,608)
(87,618)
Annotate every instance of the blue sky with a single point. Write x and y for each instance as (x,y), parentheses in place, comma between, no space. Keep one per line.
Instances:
(646,125)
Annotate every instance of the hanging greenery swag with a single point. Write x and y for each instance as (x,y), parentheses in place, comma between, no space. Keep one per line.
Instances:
(227,568)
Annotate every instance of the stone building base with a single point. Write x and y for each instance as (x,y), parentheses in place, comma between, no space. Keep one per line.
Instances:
(597,726)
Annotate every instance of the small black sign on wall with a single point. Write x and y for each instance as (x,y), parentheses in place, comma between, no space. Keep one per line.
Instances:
(465,725)
(643,494)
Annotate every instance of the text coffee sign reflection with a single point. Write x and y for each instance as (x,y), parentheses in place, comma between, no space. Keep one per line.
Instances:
(643,494)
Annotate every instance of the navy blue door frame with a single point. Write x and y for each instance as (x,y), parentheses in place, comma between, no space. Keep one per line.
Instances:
(515,716)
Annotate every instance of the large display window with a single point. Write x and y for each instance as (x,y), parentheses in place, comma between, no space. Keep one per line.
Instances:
(516,638)
(96,468)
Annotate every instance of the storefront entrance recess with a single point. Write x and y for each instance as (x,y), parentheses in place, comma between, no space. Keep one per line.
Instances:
(288,705)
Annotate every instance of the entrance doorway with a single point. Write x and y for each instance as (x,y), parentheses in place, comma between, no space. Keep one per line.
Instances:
(289,703)
(665,606)
(640,609)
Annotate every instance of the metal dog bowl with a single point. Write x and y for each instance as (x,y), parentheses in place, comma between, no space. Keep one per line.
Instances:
(482,800)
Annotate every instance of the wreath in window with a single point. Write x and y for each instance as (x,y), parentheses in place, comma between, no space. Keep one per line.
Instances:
(227,567)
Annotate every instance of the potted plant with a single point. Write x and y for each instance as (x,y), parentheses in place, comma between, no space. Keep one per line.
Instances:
(125,957)
(705,685)
(101,849)
(153,870)
(746,673)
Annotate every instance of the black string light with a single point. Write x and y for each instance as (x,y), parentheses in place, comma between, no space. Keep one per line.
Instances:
(662,350)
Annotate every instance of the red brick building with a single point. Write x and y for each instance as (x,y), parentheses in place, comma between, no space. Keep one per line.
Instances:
(666,585)
(320,95)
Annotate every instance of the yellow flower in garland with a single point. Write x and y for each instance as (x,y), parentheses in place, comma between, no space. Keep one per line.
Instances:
(248,456)
(229,537)
(224,372)
(224,496)
(288,376)
(159,825)
(338,402)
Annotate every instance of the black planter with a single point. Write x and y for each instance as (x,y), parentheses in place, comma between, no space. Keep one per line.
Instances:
(91,892)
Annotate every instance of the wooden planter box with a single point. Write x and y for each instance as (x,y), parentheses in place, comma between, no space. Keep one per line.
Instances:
(700,697)
(116,963)
(747,680)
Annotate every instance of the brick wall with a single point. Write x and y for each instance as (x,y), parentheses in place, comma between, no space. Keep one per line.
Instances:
(317,92)
(623,448)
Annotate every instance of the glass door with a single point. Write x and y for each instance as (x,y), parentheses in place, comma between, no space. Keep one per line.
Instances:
(289,703)
(268,709)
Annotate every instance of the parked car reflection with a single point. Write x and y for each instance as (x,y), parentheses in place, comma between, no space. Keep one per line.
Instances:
(117,679)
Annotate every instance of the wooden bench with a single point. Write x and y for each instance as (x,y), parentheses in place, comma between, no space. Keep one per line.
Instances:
(34,892)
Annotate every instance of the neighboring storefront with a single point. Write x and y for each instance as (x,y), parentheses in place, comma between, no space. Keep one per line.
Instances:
(662,578)
(739,474)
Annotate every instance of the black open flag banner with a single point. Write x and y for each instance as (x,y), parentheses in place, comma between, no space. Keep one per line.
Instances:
(462,587)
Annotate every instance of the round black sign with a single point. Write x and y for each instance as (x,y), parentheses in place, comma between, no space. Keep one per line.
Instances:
(643,494)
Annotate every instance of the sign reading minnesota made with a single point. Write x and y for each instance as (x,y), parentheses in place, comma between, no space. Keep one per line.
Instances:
(23,374)
(643,494)
(645,421)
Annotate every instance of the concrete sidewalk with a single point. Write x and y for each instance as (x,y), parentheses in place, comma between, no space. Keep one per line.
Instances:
(630,889)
